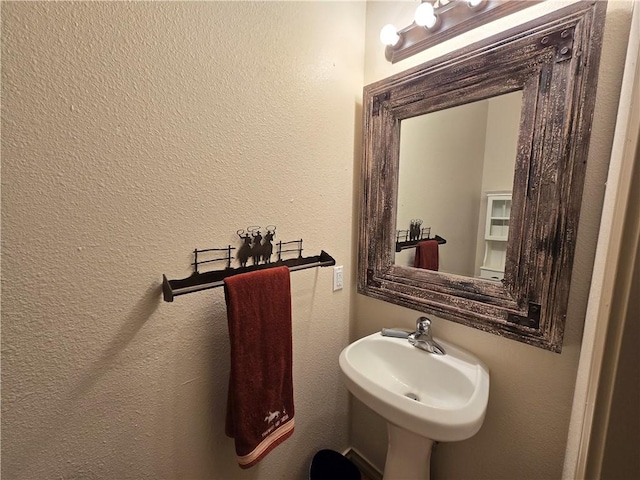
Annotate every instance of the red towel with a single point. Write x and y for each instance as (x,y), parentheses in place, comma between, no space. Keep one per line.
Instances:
(427,255)
(260,401)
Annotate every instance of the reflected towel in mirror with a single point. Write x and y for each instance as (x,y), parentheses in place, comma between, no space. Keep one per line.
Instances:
(427,255)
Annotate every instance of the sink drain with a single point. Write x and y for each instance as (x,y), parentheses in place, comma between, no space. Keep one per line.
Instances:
(412,396)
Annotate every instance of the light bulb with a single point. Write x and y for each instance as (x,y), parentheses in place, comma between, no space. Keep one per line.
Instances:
(425,15)
(474,3)
(389,35)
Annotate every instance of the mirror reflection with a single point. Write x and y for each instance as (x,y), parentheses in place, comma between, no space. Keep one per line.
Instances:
(454,187)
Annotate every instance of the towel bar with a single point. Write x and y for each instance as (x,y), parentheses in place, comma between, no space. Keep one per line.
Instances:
(255,246)
(204,281)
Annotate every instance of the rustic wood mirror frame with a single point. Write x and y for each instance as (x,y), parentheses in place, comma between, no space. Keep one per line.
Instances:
(554,61)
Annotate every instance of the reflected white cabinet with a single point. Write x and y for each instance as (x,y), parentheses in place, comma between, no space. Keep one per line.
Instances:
(496,233)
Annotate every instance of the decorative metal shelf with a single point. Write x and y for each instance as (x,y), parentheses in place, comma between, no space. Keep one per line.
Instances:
(199,281)
(414,235)
(412,243)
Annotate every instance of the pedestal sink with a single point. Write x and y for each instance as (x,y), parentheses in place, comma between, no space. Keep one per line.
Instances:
(423,396)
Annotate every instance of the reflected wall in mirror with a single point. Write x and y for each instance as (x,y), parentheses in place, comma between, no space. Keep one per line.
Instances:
(450,162)
(524,234)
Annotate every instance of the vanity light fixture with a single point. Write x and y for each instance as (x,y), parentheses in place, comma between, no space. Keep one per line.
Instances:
(426,16)
(439,20)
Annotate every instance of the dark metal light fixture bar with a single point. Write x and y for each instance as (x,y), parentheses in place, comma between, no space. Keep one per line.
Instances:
(450,18)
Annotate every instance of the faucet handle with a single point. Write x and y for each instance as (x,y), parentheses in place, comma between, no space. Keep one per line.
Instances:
(423,325)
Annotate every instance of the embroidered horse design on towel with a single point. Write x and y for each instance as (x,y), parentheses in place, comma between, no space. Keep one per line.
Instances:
(271,416)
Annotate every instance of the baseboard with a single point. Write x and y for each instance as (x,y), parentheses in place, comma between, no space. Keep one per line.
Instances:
(367,469)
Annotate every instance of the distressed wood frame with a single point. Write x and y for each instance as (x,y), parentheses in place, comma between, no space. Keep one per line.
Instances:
(554,61)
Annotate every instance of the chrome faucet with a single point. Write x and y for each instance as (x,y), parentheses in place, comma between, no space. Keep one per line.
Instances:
(422,338)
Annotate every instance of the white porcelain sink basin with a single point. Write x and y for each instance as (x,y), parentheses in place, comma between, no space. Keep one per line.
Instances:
(440,397)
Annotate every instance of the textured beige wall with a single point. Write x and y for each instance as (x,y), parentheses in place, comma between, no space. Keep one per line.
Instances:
(132,133)
(525,431)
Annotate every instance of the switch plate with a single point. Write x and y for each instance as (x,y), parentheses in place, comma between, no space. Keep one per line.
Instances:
(338,278)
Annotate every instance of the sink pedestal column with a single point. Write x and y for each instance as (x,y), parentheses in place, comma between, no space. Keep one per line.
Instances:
(408,455)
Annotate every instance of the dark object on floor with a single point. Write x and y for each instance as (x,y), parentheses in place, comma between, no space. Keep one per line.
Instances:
(331,465)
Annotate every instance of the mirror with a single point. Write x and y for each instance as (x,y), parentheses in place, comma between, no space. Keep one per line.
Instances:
(480,140)
(524,233)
